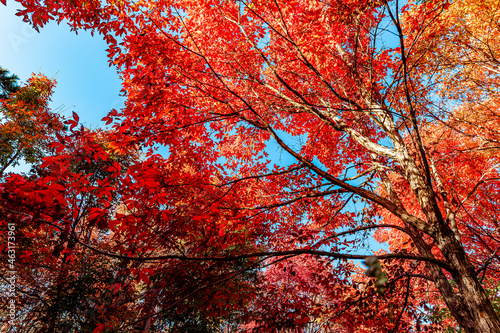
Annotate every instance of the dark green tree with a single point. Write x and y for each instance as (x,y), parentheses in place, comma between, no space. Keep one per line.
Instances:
(8,83)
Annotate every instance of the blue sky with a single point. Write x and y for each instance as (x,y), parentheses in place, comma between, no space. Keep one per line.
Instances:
(85,82)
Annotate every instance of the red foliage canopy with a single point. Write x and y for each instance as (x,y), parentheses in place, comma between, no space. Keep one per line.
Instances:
(195,223)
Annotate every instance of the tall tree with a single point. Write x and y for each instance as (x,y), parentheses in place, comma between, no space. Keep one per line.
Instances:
(28,124)
(387,117)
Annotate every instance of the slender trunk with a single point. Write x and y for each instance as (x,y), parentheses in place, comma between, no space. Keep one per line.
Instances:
(13,158)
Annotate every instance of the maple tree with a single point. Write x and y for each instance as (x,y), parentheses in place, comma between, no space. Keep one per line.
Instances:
(386,119)
(28,125)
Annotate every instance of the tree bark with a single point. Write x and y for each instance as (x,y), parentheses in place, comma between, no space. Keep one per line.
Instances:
(473,294)
(458,309)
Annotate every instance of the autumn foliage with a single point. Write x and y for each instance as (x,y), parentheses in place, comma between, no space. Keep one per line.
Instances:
(263,148)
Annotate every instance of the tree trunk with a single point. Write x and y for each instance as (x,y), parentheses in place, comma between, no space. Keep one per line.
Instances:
(455,304)
(473,294)
(472,309)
